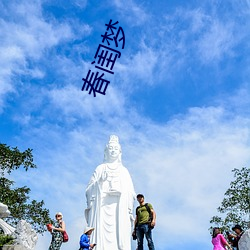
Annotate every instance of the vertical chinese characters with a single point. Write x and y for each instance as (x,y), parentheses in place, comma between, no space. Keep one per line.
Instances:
(104,59)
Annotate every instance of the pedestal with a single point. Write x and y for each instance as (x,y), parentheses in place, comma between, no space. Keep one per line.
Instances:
(13,247)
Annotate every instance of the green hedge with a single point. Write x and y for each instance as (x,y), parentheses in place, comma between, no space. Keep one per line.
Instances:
(6,240)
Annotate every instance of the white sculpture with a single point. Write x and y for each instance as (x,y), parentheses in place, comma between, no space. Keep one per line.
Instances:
(244,242)
(110,197)
(25,235)
(4,212)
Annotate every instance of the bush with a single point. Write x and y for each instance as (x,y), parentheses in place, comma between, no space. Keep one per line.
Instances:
(6,240)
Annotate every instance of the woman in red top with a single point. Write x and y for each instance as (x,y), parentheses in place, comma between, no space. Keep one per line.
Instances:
(218,240)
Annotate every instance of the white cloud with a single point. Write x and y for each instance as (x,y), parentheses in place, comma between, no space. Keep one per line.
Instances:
(25,40)
(239,102)
(80,3)
(139,67)
(217,42)
(32,34)
(132,12)
(198,20)
(197,32)
(76,103)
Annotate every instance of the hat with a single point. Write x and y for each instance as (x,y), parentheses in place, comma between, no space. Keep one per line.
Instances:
(59,213)
(87,229)
(140,195)
(237,227)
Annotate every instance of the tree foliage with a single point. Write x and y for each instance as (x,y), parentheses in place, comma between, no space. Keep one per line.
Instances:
(235,206)
(12,159)
(17,199)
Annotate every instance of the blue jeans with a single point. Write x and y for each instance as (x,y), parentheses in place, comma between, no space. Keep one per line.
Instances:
(142,230)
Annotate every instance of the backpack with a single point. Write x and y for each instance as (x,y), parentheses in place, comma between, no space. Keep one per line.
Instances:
(149,212)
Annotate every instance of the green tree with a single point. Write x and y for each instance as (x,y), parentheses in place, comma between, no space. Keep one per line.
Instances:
(17,199)
(235,206)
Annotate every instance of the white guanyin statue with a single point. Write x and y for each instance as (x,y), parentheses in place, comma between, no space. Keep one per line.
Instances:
(110,197)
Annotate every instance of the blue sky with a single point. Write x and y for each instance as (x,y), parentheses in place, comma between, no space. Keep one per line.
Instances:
(178,100)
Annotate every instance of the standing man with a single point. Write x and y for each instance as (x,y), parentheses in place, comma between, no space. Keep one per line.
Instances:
(144,223)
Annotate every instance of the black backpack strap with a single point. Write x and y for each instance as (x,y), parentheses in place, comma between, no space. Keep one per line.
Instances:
(148,208)
(137,210)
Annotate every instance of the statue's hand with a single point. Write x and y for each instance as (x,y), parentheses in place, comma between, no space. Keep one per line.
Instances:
(104,176)
(132,217)
(90,204)
(90,201)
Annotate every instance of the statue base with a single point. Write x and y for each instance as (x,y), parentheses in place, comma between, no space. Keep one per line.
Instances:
(12,247)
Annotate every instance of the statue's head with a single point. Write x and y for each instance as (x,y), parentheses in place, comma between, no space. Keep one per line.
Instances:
(113,150)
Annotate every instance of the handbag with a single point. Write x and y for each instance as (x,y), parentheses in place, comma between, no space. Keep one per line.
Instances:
(65,236)
(49,227)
